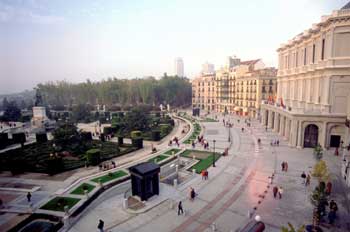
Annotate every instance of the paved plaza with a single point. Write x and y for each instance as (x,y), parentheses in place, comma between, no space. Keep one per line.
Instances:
(239,185)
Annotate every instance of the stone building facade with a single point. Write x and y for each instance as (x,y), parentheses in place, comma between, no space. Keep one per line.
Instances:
(204,92)
(313,85)
(236,88)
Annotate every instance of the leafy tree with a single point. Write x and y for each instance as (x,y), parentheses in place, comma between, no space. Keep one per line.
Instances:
(12,112)
(137,119)
(81,113)
(321,171)
(65,134)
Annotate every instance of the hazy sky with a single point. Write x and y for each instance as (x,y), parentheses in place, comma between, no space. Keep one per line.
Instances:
(43,40)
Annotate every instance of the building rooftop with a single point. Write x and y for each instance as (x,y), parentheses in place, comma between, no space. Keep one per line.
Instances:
(249,62)
(347,6)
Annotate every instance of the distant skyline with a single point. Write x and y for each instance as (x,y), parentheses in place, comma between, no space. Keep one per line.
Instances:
(54,40)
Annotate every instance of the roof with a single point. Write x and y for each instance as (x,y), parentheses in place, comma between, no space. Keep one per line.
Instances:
(145,168)
(347,6)
(249,62)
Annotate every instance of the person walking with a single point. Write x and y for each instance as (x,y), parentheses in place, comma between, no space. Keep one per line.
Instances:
(282,166)
(303,177)
(192,194)
(179,208)
(285,166)
(308,179)
(280,192)
(29,196)
(329,188)
(100,225)
(275,191)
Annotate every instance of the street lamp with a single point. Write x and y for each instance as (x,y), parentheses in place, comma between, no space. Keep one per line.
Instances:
(214,153)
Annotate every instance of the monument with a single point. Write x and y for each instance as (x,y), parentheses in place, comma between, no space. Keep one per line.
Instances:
(39,112)
(145,180)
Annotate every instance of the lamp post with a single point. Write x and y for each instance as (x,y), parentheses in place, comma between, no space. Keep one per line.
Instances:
(214,153)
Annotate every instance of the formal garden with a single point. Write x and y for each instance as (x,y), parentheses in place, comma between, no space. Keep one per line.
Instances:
(195,133)
(59,203)
(159,158)
(205,158)
(70,149)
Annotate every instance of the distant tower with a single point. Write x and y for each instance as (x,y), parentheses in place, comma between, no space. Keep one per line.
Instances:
(208,68)
(179,67)
(233,61)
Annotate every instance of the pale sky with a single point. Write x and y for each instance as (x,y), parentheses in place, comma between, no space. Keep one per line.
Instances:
(49,40)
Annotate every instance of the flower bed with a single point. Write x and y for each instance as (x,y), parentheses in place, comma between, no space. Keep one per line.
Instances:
(58,203)
(110,176)
(80,190)
(196,132)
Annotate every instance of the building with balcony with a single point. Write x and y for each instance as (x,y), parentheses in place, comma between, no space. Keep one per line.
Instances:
(252,88)
(204,92)
(313,82)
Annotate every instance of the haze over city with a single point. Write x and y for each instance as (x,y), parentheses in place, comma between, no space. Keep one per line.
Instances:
(54,40)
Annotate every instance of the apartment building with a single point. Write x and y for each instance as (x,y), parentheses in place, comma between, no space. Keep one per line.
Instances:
(204,92)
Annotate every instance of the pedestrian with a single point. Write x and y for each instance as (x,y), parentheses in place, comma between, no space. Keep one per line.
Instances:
(29,196)
(100,226)
(242,129)
(336,152)
(331,217)
(278,142)
(285,166)
(303,177)
(280,192)
(275,191)
(179,208)
(203,174)
(192,194)
(193,145)
(206,174)
(308,179)
(282,166)
(333,207)
(329,188)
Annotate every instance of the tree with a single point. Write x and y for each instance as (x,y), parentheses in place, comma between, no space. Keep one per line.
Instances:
(81,113)
(12,112)
(137,119)
(321,171)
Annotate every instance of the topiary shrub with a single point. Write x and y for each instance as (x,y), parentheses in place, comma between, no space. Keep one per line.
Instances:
(120,140)
(19,138)
(41,137)
(165,129)
(93,156)
(137,142)
(135,134)
(86,136)
(4,140)
(156,135)
(54,165)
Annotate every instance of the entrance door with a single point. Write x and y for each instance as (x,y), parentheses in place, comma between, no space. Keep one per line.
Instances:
(335,141)
(311,136)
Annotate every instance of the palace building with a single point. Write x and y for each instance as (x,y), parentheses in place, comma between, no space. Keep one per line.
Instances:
(313,82)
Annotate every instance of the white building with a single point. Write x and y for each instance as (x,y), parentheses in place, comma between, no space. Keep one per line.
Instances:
(313,83)
(179,67)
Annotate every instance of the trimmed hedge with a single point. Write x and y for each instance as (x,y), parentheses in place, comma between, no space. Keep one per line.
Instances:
(41,137)
(137,142)
(93,156)
(135,134)
(156,135)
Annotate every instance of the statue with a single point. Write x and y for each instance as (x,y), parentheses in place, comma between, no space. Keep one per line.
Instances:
(38,98)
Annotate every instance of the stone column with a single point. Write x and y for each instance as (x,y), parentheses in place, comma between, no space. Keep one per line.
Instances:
(263,117)
(287,129)
(276,122)
(269,120)
(300,135)
(293,133)
(322,135)
(282,125)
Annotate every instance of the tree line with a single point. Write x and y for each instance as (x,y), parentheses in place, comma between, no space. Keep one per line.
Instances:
(172,90)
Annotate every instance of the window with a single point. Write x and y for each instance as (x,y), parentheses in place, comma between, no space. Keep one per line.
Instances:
(305,56)
(322,52)
(313,53)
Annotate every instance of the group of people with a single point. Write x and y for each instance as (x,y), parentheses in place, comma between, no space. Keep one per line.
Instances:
(275,143)
(204,174)
(306,179)
(277,190)
(175,140)
(107,165)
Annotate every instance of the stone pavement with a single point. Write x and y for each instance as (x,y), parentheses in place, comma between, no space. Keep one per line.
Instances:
(238,185)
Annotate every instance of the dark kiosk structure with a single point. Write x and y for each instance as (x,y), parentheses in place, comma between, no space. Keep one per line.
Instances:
(145,180)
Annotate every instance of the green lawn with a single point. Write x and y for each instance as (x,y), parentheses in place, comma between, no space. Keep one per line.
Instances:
(158,158)
(80,190)
(170,152)
(58,203)
(196,132)
(110,176)
(209,120)
(204,163)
